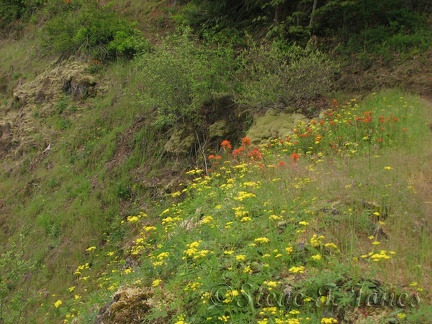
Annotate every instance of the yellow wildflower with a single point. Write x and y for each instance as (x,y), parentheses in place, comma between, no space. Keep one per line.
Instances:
(262,240)
(156,282)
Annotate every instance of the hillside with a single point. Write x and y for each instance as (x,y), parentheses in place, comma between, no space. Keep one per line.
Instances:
(187,162)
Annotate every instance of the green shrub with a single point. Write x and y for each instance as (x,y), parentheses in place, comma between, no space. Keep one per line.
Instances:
(180,77)
(284,78)
(11,10)
(93,30)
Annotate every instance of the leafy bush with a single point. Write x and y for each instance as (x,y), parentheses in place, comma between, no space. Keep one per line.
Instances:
(95,30)
(180,77)
(11,10)
(284,78)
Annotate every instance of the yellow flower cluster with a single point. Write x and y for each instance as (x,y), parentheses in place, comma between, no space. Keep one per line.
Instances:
(135,219)
(377,257)
(193,252)
(242,195)
(271,284)
(299,269)
(80,268)
(170,222)
(331,246)
(230,295)
(262,240)
(224,318)
(240,257)
(315,241)
(252,184)
(280,321)
(269,310)
(194,172)
(329,320)
(156,282)
(317,256)
(161,259)
(240,212)
(193,285)
(206,220)
(275,217)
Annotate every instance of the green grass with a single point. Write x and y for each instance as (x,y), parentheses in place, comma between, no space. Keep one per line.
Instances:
(61,203)
(329,222)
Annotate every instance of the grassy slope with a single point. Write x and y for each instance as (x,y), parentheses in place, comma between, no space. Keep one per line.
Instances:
(349,213)
(56,205)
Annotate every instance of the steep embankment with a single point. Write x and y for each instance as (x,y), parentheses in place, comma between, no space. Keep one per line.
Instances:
(329,224)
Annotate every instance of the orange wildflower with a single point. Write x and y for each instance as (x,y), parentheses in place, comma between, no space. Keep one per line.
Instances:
(237,152)
(335,103)
(226,145)
(246,141)
(295,157)
(255,154)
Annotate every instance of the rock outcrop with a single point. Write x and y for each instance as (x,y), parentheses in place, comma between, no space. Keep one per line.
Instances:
(23,124)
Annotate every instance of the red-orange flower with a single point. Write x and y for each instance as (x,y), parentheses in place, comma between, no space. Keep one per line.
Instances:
(379,140)
(281,164)
(255,154)
(335,103)
(246,141)
(295,157)
(237,152)
(226,145)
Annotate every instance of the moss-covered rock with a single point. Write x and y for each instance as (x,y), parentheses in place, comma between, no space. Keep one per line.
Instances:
(131,305)
(273,124)
(181,141)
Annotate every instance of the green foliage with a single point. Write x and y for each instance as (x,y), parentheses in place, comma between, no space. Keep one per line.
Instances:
(295,21)
(13,268)
(180,77)
(11,10)
(94,30)
(284,78)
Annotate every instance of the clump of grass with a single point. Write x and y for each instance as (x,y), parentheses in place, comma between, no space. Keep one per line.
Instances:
(305,229)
